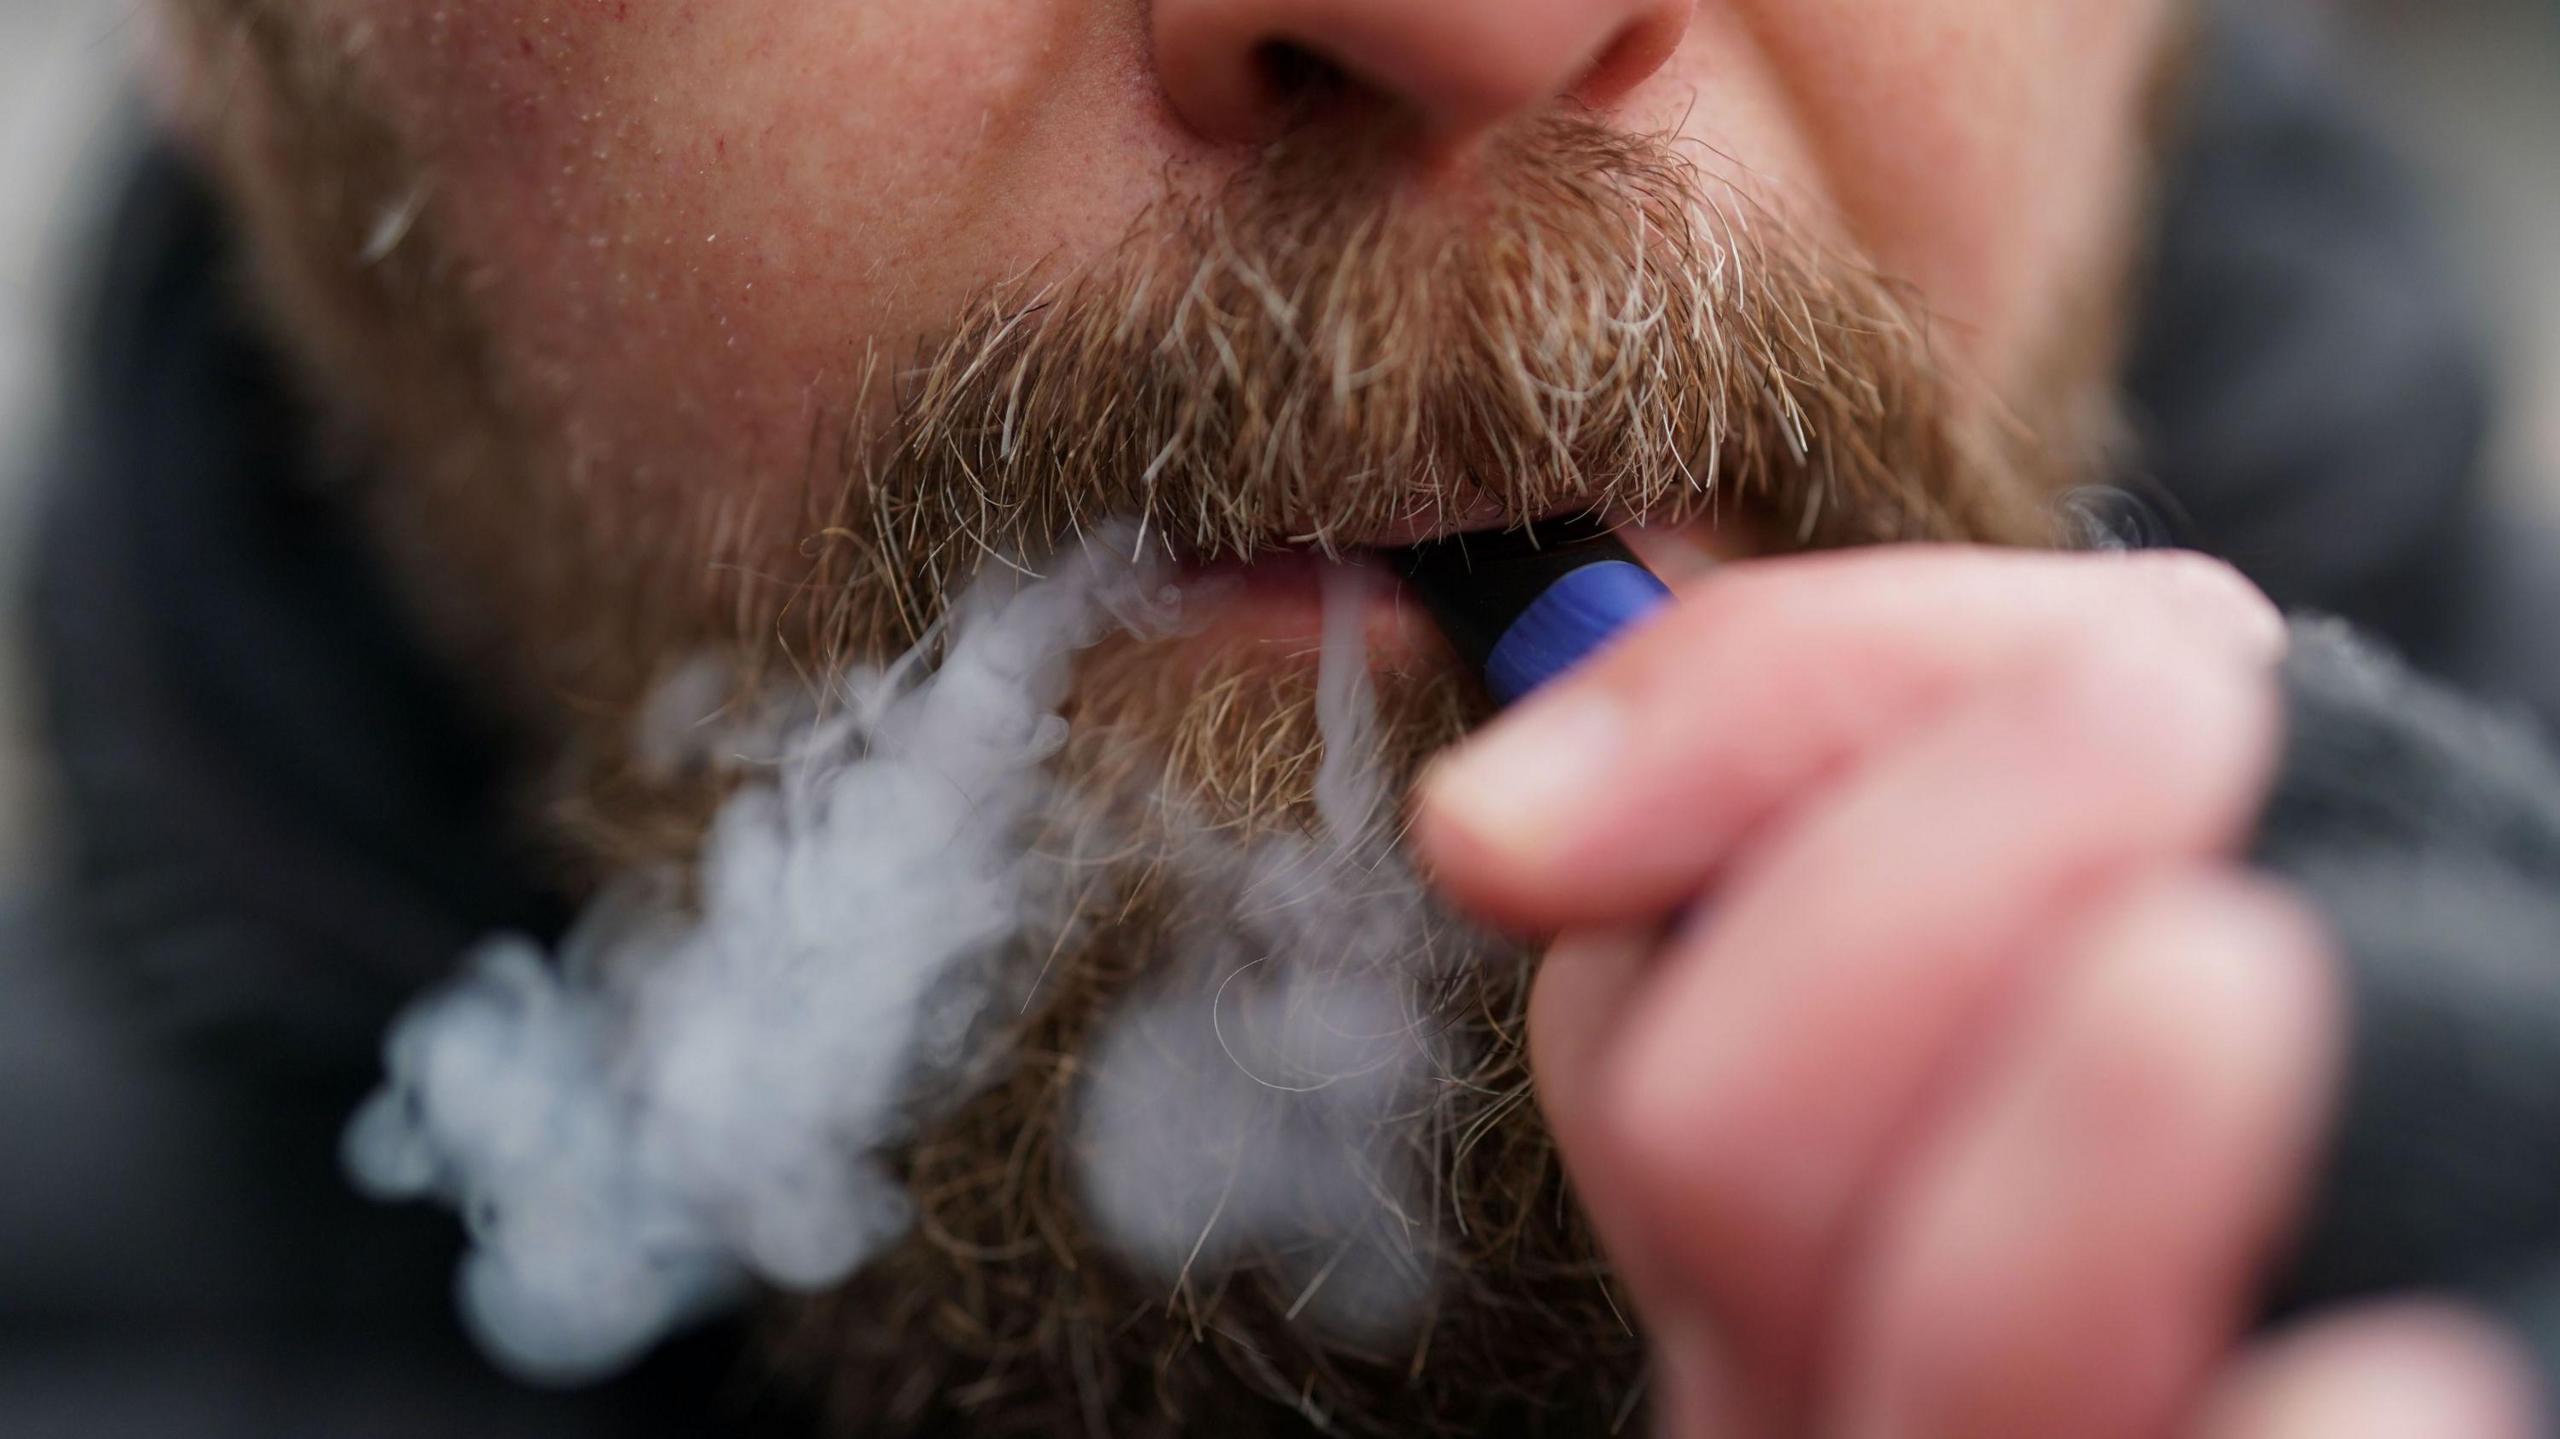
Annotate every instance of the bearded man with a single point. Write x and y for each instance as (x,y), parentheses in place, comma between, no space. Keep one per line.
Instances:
(1945,976)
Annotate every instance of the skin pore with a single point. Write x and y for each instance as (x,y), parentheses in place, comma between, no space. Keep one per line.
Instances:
(622,291)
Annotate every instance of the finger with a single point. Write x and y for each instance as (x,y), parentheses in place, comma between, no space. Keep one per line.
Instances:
(1576,1013)
(2089,1226)
(1611,797)
(2410,1370)
(1768,1075)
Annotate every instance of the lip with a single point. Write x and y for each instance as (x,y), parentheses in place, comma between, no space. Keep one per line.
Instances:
(1278,596)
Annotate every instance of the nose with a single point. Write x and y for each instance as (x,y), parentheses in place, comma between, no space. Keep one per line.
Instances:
(1236,69)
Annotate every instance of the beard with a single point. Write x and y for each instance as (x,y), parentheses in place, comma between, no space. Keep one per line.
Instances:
(1315,357)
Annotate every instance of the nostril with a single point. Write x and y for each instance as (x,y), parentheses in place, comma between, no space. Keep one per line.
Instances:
(1287,66)
(1298,82)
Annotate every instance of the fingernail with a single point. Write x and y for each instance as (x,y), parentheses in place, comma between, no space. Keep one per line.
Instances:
(1525,785)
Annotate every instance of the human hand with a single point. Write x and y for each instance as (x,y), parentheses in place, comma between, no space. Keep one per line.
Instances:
(1975,1093)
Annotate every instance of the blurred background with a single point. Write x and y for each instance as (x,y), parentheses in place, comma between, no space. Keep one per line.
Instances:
(62,92)
(2472,88)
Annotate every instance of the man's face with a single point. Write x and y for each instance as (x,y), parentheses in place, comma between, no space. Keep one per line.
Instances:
(761,326)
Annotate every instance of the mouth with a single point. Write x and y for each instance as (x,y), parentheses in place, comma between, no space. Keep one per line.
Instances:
(1277,595)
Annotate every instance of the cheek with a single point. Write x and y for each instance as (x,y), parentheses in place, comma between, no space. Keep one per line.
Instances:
(1983,150)
(689,221)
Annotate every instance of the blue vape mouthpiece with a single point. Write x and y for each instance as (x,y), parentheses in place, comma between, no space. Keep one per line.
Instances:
(1525,606)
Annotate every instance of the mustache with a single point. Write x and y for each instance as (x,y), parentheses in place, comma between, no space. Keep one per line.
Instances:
(1323,353)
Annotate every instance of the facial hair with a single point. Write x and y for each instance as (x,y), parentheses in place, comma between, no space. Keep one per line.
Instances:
(1306,361)
(1317,356)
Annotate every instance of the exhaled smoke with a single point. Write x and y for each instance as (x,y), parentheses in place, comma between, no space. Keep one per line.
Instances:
(705,1089)
(701,1089)
(1243,1108)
